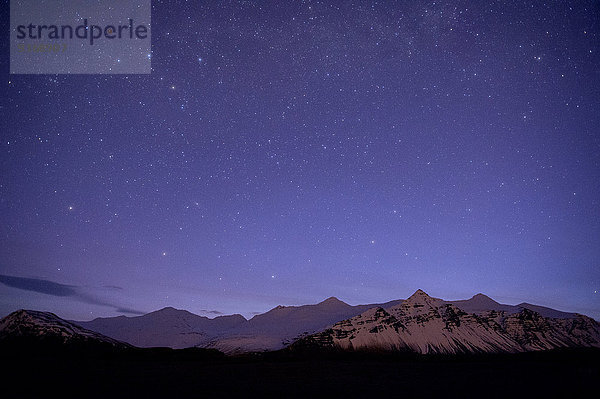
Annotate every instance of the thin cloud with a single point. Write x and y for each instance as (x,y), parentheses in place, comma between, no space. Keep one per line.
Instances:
(128,310)
(60,290)
(37,285)
(114,287)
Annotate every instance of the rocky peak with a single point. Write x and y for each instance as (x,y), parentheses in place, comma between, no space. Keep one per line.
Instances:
(419,296)
(418,303)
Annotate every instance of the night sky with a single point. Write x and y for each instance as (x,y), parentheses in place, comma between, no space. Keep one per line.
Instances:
(282,152)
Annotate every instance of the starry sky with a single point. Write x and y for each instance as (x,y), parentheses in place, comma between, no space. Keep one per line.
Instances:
(282,152)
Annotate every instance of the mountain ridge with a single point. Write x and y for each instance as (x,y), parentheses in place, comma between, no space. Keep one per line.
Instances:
(283,325)
(420,323)
(427,325)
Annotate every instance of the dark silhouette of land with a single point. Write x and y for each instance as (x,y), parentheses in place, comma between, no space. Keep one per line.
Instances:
(39,369)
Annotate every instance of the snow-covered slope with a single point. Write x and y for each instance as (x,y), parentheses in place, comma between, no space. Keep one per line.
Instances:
(47,326)
(424,324)
(167,327)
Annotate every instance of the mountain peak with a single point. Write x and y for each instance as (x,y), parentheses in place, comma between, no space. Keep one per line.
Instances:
(482,297)
(23,312)
(420,297)
(37,324)
(31,315)
(332,300)
(169,311)
(419,294)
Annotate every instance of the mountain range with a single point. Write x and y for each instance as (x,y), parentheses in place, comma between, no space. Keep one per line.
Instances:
(419,324)
(31,326)
(268,331)
(427,325)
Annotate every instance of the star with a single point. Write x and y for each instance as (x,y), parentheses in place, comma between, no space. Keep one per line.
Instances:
(242,168)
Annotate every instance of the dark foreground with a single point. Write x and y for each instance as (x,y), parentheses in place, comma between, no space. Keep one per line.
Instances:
(198,374)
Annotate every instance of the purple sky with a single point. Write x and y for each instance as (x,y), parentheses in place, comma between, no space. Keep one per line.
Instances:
(283,152)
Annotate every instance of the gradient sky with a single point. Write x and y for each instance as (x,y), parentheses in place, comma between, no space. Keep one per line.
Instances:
(285,151)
